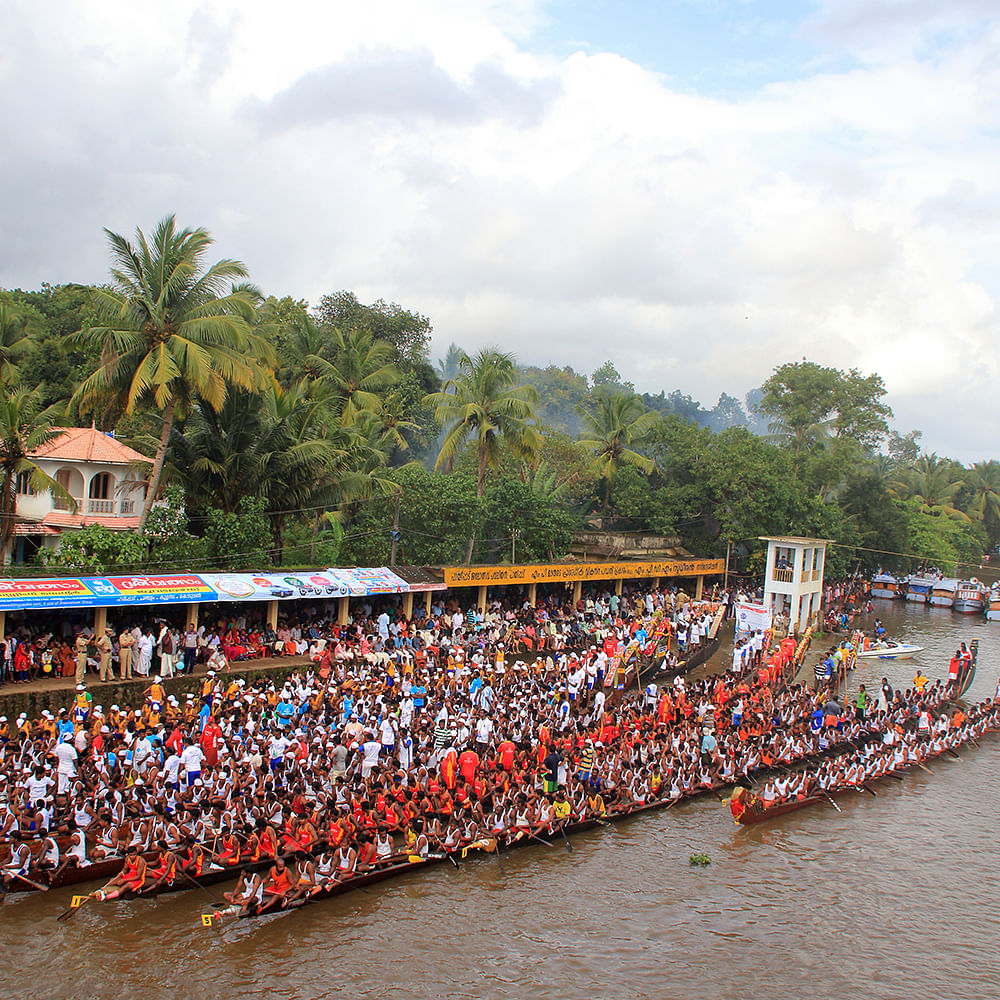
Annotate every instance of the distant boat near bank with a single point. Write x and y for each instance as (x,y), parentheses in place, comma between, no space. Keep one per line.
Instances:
(993,612)
(943,592)
(885,585)
(919,589)
(971,597)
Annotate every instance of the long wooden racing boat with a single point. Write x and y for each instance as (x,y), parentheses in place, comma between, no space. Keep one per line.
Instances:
(108,868)
(748,809)
(487,845)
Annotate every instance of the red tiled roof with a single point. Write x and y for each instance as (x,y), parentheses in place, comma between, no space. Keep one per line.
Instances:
(33,528)
(87,444)
(64,519)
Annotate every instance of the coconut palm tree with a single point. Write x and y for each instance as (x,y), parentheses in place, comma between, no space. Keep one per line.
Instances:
(933,482)
(13,341)
(362,368)
(24,427)
(618,421)
(447,367)
(983,479)
(486,403)
(170,331)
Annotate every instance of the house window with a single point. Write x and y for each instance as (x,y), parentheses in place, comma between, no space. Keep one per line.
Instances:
(100,486)
(101,495)
(24,485)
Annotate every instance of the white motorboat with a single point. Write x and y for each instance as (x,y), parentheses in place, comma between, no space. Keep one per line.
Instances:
(889,649)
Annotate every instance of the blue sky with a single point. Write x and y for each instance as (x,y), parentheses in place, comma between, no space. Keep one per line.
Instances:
(713,47)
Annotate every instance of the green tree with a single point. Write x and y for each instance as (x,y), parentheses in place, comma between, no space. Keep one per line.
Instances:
(983,481)
(485,404)
(808,403)
(170,330)
(438,514)
(12,342)
(240,539)
(935,484)
(617,421)
(24,427)
(97,549)
(407,332)
(362,369)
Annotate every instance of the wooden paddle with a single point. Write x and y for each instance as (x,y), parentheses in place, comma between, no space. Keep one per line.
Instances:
(37,885)
(832,803)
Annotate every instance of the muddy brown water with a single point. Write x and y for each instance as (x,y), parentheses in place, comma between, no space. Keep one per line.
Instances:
(895,897)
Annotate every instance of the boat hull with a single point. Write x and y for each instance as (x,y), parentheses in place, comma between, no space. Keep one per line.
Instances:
(903,651)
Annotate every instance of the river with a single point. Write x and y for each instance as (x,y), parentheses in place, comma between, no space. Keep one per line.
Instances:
(895,897)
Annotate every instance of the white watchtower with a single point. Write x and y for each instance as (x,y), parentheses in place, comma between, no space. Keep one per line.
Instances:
(793,580)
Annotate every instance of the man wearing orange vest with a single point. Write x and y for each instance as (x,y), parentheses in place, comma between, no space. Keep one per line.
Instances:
(449,768)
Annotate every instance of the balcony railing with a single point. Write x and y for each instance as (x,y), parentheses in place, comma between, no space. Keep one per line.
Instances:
(128,507)
(783,575)
(61,503)
(100,506)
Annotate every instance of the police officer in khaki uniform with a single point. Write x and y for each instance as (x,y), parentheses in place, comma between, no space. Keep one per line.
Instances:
(125,643)
(105,647)
(82,642)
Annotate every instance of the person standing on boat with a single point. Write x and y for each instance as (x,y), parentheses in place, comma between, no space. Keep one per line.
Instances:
(861,704)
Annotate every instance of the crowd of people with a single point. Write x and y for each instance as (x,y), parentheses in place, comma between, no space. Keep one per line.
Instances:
(407,738)
(386,703)
(165,649)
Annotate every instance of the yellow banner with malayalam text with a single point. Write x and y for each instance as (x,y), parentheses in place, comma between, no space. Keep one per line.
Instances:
(499,576)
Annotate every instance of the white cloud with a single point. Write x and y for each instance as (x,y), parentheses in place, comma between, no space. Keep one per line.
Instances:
(572,210)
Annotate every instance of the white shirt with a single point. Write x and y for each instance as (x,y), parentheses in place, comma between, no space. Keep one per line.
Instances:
(67,756)
(191,758)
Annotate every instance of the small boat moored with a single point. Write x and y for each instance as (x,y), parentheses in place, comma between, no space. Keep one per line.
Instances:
(971,597)
(918,589)
(887,586)
(993,610)
(943,592)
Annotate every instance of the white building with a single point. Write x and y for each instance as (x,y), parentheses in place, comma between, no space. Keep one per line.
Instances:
(106,479)
(793,579)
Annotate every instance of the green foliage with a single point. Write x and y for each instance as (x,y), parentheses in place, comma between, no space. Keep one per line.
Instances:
(96,549)
(699,860)
(286,435)
(951,543)
(486,405)
(808,403)
(407,332)
(240,539)
(438,514)
(533,526)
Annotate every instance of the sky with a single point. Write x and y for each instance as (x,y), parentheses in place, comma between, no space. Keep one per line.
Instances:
(697,190)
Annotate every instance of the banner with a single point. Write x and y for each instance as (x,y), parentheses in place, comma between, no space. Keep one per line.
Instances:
(275,586)
(103,592)
(490,576)
(362,581)
(752,617)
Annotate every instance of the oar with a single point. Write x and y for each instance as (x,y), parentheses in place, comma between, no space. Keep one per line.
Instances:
(569,846)
(540,841)
(952,752)
(74,906)
(869,790)
(37,885)
(193,880)
(832,803)
(499,862)
(923,767)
